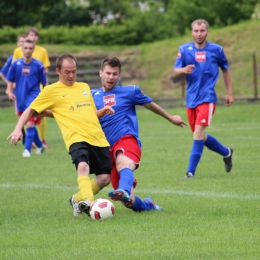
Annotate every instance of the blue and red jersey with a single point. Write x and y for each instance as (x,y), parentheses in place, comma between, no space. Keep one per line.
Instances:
(27,78)
(123,100)
(201,82)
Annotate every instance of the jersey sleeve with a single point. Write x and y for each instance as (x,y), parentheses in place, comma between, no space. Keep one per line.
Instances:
(42,101)
(92,100)
(222,62)
(179,62)
(7,66)
(139,97)
(42,75)
(11,73)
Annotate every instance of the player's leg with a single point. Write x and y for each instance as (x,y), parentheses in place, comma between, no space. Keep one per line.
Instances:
(29,137)
(100,165)
(125,170)
(42,131)
(40,147)
(80,156)
(214,145)
(125,157)
(199,118)
(143,205)
(196,150)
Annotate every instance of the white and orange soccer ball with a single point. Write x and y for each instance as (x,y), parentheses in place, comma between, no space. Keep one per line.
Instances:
(101,209)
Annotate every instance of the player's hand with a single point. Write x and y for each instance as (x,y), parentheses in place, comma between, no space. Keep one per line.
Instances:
(177,120)
(10,95)
(109,110)
(188,69)
(14,137)
(229,100)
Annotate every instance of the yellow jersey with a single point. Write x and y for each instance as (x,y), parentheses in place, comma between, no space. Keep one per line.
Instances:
(74,110)
(39,53)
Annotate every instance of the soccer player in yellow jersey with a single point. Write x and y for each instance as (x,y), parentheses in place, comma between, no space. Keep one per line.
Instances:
(72,106)
(40,54)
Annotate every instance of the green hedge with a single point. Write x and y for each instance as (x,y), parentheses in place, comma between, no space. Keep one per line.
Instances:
(129,33)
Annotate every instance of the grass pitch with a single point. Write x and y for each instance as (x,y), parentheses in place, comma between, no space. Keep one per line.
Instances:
(213,216)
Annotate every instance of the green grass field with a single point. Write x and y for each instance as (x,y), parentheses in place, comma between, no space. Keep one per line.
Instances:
(213,216)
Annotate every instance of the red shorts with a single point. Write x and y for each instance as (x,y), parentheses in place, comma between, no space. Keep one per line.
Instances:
(129,146)
(35,120)
(200,115)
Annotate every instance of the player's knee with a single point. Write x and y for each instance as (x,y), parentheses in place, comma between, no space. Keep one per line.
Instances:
(82,168)
(104,179)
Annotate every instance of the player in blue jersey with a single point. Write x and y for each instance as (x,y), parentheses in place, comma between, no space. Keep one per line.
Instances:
(121,130)
(6,67)
(200,61)
(27,73)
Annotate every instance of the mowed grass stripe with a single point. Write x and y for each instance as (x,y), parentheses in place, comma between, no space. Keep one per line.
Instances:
(146,191)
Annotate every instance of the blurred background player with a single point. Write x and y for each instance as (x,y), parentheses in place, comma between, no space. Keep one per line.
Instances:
(6,67)
(40,54)
(200,61)
(27,73)
(122,133)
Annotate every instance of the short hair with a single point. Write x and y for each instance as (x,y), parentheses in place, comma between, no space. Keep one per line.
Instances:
(63,57)
(112,62)
(21,36)
(199,22)
(33,30)
(28,41)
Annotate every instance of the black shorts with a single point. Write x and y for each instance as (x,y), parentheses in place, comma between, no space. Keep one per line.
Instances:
(98,158)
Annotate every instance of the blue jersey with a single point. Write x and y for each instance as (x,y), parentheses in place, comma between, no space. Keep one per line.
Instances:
(27,78)
(7,66)
(123,100)
(201,82)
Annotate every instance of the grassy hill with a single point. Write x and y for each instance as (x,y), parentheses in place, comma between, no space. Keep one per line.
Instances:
(151,64)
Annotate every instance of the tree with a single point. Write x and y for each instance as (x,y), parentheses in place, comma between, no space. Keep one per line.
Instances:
(18,13)
(218,13)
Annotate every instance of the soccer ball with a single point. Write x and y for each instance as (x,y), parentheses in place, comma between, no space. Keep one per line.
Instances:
(101,209)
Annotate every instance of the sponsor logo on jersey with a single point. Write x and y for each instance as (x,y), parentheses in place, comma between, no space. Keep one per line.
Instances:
(200,56)
(84,93)
(25,70)
(109,100)
(179,55)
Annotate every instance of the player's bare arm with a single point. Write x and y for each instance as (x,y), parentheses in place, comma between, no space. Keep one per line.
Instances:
(185,70)
(176,120)
(229,97)
(2,76)
(17,135)
(106,110)
(9,91)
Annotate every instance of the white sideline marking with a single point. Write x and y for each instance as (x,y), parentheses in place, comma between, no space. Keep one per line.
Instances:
(147,191)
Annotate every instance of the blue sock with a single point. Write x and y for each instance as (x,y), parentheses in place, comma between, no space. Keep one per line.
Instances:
(126,180)
(195,155)
(141,205)
(37,139)
(29,137)
(214,145)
